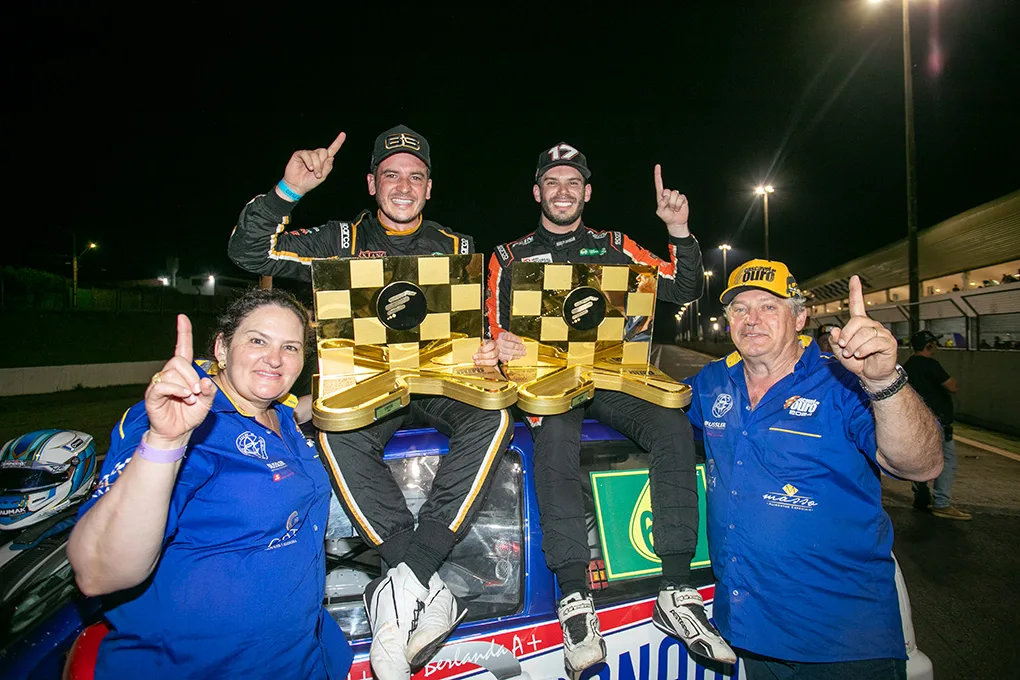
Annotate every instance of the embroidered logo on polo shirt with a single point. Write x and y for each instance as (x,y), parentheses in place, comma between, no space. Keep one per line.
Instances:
(790,499)
(801,406)
(288,537)
(723,404)
(252,445)
(280,470)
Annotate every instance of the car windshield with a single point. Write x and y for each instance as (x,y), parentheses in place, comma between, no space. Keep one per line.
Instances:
(484,569)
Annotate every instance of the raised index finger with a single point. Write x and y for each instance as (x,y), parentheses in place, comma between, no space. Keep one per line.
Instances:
(658,181)
(337,143)
(857,307)
(184,345)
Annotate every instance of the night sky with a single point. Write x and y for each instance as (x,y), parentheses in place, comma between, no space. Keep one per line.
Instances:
(148,135)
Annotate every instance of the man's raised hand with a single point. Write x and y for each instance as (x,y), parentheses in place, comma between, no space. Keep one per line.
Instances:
(864,346)
(176,401)
(309,168)
(672,207)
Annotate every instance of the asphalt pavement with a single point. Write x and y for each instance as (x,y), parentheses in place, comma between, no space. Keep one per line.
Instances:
(961,576)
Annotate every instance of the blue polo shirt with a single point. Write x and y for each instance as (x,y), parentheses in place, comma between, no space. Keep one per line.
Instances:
(800,544)
(238,590)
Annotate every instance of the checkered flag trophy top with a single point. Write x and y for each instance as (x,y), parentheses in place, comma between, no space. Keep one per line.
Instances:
(585,327)
(395,326)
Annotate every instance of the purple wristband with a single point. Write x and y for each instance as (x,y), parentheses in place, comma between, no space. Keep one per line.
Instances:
(159,455)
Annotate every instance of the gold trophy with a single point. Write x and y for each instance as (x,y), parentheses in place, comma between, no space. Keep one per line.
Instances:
(585,327)
(395,326)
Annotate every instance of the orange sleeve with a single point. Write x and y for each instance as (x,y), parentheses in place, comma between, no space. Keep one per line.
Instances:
(494,311)
(641,256)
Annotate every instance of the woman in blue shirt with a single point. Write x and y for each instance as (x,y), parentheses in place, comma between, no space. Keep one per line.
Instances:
(205,532)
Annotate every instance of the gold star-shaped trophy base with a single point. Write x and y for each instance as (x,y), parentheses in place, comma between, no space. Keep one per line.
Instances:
(555,386)
(375,388)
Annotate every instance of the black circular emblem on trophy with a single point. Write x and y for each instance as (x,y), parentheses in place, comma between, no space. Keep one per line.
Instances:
(401,306)
(584,308)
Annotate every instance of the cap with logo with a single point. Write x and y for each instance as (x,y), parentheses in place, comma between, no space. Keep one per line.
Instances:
(400,139)
(920,339)
(775,277)
(562,154)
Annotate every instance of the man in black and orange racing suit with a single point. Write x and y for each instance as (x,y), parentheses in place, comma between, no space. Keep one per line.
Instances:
(562,189)
(411,610)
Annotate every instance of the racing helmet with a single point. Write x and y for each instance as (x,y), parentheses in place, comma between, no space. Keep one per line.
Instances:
(43,473)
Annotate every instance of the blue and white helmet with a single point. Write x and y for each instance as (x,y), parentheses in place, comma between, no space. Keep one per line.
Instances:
(43,473)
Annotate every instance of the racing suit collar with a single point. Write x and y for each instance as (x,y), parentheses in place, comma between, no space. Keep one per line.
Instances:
(547,237)
(397,234)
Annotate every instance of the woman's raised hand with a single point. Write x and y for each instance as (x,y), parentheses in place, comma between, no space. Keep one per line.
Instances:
(176,400)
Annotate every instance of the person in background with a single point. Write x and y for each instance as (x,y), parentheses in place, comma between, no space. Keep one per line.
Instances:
(937,388)
(822,337)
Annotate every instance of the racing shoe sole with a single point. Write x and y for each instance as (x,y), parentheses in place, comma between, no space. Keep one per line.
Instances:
(426,653)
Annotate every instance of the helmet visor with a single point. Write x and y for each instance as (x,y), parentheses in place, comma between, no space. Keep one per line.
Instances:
(23,479)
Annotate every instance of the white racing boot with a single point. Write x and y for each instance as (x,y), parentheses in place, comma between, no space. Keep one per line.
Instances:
(680,613)
(583,645)
(442,613)
(394,603)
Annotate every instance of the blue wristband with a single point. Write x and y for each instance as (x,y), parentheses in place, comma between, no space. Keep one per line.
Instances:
(288,192)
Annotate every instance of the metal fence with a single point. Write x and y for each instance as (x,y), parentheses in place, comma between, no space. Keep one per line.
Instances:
(983,319)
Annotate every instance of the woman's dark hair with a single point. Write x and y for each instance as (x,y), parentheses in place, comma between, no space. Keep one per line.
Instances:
(238,310)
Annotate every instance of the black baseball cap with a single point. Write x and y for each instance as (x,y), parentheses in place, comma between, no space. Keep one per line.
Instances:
(400,139)
(562,154)
(920,339)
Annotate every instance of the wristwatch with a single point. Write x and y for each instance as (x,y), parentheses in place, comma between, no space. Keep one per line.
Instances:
(886,392)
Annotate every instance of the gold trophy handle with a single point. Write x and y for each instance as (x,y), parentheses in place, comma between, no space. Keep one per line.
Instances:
(556,393)
(363,404)
(657,389)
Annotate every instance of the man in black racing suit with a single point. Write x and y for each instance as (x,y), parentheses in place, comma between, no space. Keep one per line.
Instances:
(411,610)
(562,189)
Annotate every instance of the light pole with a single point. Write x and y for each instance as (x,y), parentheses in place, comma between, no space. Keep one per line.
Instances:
(708,296)
(913,274)
(725,249)
(74,267)
(764,192)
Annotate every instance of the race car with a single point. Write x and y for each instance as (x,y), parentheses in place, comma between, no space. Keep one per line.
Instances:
(498,569)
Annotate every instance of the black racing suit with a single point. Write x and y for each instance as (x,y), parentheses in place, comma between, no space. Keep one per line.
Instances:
(261,245)
(664,433)
(367,490)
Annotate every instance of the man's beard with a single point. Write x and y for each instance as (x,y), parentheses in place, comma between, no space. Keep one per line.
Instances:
(563,221)
(385,208)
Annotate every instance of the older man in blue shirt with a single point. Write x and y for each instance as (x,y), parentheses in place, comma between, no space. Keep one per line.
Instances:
(795,444)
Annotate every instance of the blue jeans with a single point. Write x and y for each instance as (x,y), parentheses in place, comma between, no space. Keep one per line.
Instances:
(944,482)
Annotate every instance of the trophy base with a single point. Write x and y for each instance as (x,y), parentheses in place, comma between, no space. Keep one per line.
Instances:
(550,390)
(352,404)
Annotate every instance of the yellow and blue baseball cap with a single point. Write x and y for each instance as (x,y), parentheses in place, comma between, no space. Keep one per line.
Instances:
(775,277)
